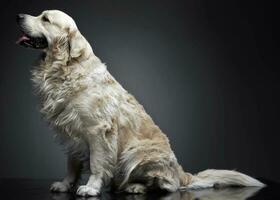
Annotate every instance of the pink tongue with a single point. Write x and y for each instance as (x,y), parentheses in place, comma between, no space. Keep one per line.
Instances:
(22,38)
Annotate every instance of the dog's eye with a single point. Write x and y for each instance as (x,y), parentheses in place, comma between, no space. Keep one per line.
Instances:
(45,19)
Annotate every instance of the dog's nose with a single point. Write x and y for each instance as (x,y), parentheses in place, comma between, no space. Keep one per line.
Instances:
(20,17)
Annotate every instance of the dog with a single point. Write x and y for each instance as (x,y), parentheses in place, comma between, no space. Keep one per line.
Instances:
(102,127)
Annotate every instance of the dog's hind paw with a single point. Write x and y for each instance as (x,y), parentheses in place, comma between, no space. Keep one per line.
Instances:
(136,188)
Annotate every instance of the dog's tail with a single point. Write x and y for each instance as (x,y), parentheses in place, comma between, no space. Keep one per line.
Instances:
(219,178)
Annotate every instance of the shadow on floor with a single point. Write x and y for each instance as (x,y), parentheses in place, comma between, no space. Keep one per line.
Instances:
(19,189)
(209,194)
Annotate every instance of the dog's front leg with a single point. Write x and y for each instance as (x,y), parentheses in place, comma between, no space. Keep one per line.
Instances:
(73,173)
(102,140)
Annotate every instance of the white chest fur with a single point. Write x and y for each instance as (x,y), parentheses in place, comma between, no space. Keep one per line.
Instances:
(76,97)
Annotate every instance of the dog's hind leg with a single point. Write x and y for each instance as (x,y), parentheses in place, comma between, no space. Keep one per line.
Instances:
(148,163)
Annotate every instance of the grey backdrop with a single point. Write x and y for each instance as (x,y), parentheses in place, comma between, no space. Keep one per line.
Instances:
(206,71)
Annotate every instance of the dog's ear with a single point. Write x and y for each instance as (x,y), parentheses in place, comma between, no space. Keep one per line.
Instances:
(77,44)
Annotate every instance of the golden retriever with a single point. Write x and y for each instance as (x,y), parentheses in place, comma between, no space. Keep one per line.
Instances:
(102,126)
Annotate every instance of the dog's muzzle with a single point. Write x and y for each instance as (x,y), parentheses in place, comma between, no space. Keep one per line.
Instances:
(26,39)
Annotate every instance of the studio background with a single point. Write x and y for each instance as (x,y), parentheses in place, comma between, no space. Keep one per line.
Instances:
(206,71)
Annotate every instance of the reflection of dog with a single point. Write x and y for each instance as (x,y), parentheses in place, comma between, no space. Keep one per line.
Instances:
(99,121)
(234,193)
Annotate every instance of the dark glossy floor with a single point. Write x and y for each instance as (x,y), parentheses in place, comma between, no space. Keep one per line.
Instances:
(21,189)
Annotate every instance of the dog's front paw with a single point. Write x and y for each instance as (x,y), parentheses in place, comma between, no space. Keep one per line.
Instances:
(60,187)
(85,190)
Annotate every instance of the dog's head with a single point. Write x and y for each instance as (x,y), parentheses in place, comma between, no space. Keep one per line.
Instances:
(41,32)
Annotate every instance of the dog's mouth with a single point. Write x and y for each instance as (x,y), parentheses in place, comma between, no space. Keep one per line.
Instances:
(32,42)
(26,40)
(23,40)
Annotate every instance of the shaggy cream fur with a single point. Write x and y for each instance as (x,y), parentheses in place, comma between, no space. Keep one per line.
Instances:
(101,125)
